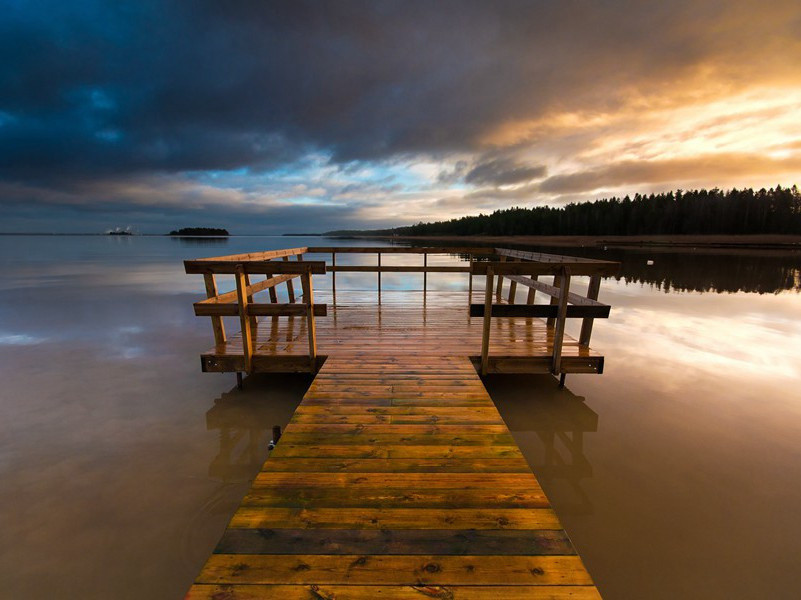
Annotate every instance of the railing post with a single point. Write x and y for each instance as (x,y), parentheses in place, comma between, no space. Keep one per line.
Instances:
(512,289)
(250,300)
(379,277)
(334,276)
(308,296)
(531,291)
(499,289)
(425,272)
(485,334)
(242,299)
(586,324)
(470,284)
(554,300)
(290,288)
(561,319)
(216,322)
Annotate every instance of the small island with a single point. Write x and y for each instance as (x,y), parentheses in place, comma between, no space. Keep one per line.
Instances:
(200,232)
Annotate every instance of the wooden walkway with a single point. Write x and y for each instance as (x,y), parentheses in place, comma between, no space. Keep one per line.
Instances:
(396,478)
(405,322)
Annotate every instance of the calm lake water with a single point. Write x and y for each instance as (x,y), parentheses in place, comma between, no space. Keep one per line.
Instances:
(677,473)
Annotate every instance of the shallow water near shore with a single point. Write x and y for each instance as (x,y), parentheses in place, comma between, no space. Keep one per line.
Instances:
(675,473)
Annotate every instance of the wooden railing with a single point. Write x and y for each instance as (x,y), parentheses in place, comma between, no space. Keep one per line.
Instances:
(496,264)
(564,304)
(240,301)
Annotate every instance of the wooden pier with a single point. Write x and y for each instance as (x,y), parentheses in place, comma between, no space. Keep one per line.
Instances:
(397,477)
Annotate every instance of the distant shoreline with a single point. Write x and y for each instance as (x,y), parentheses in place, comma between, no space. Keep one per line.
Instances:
(772,241)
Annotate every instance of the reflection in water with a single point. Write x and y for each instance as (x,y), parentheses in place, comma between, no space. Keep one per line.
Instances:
(201,241)
(108,431)
(244,420)
(558,420)
(697,270)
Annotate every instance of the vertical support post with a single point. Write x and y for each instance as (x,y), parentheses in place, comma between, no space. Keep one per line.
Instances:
(512,291)
(485,334)
(470,284)
(290,288)
(557,280)
(379,277)
(216,322)
(308,296)
(499,289)
(244,319)
(425,273)
(531,291)
(586,324)
(561,319)
(250,300)
(334,276)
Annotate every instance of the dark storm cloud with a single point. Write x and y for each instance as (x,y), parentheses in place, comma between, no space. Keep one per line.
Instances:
(93,90)
(174,86)
(503,172)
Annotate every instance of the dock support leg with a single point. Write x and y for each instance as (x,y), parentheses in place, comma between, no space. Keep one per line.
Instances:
(239,380)
(562,378)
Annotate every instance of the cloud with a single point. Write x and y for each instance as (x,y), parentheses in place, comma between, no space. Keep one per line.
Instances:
(503,172)
(486,94)
(677,170)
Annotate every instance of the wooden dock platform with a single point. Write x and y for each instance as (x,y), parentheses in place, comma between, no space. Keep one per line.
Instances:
(397,477)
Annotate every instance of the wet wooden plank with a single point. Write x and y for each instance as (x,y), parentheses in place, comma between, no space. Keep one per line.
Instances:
(411,542)
(380,569)
(318,591)
(395,481)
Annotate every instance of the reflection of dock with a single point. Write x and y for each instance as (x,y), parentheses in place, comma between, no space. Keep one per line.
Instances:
(559,419)
(396,476)
(244,419)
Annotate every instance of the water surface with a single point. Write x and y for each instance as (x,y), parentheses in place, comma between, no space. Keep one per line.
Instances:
(676,472)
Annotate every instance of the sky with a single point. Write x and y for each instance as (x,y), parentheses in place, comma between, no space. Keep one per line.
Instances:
(274,117)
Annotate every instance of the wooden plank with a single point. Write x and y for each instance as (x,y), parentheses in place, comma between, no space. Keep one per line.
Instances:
(476,542)
(341,497)
(543,311)
(592,294)
(485,334)
(266,255)
(308,297)
(561,320)
(264,267)
(536,268)
(244,320)
(396,269)
(249,517)
(216,322)
(451,250)
(318,591)
(395,569)
(258,310)
(290,288)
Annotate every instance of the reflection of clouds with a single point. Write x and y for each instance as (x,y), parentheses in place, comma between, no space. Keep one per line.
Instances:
(728,334)
(19,339)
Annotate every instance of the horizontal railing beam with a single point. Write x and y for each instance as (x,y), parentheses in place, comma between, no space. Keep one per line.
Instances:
(553,291)
(254,288)
(542,311)
(399,250)
(231,309)
(538,268)
(266,255)
(396,269)
(258,267)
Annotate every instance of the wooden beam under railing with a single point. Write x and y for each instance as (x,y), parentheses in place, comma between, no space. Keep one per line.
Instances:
(263,267)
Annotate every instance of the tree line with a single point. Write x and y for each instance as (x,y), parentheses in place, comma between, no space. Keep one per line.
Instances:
(746,211)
